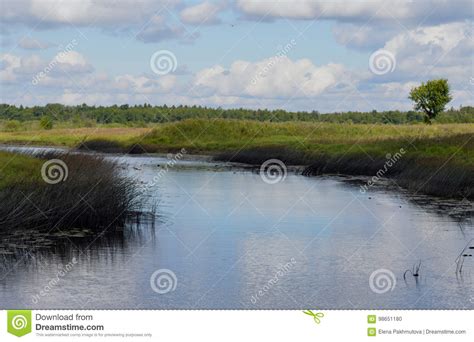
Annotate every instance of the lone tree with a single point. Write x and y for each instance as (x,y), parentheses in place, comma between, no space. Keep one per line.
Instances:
(431,97)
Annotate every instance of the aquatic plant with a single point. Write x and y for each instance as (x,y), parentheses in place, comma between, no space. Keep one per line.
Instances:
(415,271)
(465,253)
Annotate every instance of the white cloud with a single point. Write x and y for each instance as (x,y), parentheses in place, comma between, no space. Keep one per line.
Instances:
(72,58)
(271,78)
(158,30)
(121,17)
(29,64)
(70,62)
(268,82)
(107,13)
(74,98)
(29,43)
(435,51)
(167,83)
(445,37)
(363,36)
(204,13)
(98,13)
(16,69)
(435,11)
(23,70)
(9,63)
(144,84)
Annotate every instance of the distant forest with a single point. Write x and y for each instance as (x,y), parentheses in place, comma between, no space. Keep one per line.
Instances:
(144,114)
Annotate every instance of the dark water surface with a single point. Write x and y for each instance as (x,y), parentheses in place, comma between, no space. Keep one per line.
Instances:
(230,240)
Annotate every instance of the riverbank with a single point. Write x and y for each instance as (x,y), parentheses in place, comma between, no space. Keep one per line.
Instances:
(426,159)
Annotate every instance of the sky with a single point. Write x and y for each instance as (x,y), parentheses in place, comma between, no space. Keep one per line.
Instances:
(298,55)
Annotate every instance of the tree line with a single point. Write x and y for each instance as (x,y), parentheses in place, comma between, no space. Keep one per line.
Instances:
(85,115)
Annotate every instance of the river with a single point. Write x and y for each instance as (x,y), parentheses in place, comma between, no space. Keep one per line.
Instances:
(223,238)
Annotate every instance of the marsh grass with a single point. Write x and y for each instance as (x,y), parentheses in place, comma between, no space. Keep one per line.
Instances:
(420,175)
(95,196)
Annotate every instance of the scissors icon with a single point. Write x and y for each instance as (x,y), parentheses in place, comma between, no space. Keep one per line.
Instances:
(316,316)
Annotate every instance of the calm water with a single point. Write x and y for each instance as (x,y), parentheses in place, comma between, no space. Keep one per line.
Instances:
(234,241)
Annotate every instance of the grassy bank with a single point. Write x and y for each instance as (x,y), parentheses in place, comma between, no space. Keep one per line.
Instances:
(216,136)
(71,137)
(79,192)
(437,159)
(203,136)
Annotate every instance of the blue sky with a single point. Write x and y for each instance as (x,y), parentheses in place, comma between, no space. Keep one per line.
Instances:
(297,55)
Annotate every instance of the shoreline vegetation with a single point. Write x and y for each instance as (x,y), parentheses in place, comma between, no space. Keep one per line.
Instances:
(437,159)
(79,195)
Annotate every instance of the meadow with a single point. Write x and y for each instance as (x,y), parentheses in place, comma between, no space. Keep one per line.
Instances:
(201,136)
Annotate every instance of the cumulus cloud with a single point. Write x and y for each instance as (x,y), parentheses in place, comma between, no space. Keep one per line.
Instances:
(70,79)
(72,98)
(434,51)
(111,15)
(205,13)
(157,30)
(98,13)
(144,84)
(27,69)
(363,36)
(269,81)
(73,61)
(271,78)
(439,11)
(29,43)
(444,37)
(8,64)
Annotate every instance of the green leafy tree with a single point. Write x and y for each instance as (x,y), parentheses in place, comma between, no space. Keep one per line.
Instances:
(431,98)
